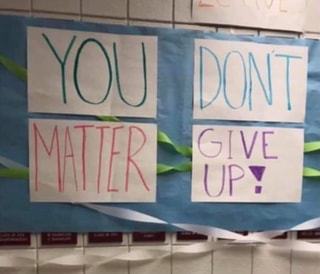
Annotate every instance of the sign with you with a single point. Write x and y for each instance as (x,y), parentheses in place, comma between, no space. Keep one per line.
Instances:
(92,73)
(267,14)
(247,164)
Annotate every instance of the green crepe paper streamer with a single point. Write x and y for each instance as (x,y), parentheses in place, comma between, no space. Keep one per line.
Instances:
(311,147)
(164,169)
(19,71)
(311,173)
(109,119)
(13,173)
(183,150)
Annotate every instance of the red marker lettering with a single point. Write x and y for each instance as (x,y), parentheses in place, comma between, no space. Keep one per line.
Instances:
(49,151)
(130,156)
(83,154)
(68,146)
(203,5)
(112,154)
(100,154)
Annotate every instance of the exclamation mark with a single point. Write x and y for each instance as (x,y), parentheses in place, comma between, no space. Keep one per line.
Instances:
(258,172)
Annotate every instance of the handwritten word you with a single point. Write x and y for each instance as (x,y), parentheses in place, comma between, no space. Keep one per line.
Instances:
(92,73)
(111,74)
(94,158)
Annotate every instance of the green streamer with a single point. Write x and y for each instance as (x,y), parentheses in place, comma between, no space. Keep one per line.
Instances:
(14,173)
(165,140)
(311,173)
(165,169)
(19,71)
(108,118)
(311,147)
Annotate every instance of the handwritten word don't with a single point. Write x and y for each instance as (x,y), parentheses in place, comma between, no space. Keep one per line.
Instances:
(249,81)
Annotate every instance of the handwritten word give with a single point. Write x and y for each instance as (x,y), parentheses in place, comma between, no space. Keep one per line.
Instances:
(240,163)
(91,159)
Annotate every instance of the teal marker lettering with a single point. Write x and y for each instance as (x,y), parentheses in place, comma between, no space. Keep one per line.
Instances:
(62,63)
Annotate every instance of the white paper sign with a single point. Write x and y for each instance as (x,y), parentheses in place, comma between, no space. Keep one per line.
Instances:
(247,164)
(249,81)
(268,14)
(86,161)
(92,73)
(313,16)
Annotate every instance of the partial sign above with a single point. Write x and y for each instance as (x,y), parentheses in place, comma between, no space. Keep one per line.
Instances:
(268,14)
(86,161)
(92,73)
(250,81)
(313,15)
(247,164)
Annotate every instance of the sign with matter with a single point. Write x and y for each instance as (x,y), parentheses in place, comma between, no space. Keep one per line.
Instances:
(247,164)
(249,81)
(87,161)
(92,73)
(268,14)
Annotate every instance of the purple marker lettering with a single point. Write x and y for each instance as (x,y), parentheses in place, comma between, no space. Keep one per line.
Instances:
(243,139)
(232,178)
(212,142)
(265,144)
(205,181)
(230,144)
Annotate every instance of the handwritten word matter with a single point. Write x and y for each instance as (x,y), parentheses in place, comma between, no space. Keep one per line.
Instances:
(83,150)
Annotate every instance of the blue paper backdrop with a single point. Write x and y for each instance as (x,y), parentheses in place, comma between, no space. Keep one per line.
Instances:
(175,88)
